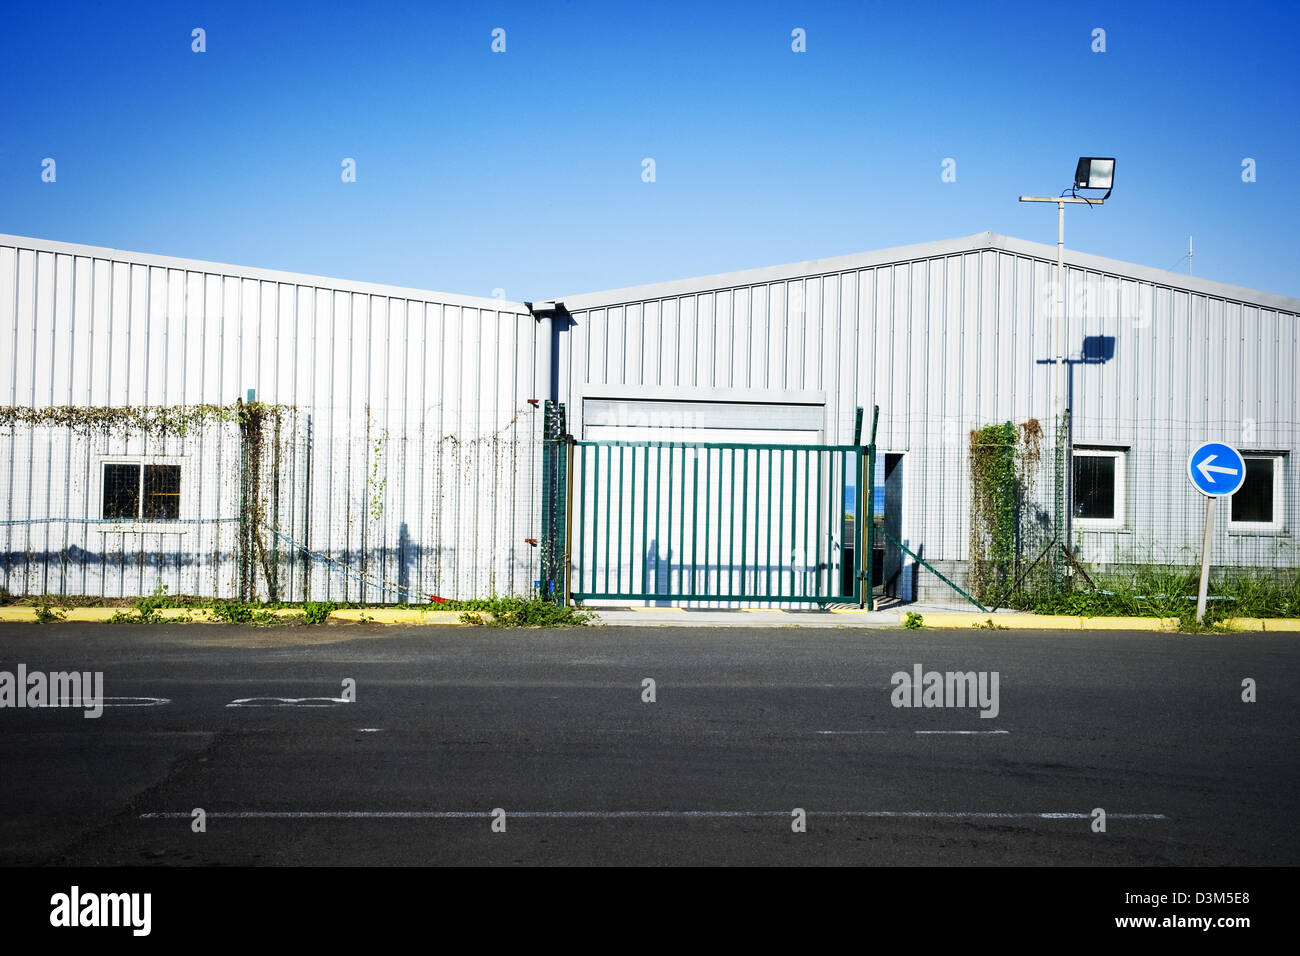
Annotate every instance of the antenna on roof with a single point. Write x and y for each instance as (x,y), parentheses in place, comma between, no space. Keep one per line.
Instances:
(1188,257)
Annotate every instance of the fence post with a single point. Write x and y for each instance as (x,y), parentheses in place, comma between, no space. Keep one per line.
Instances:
(868,582)
(1007,518)
(554,499)
(245,556)
(1058,529)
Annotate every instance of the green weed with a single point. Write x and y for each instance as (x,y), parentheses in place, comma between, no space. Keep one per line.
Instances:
(46,615)
(525,612)
(1171,592)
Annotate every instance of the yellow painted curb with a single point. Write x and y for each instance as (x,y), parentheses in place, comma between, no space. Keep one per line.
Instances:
(1063,622)
(1129,623)
(1263,623)
(202,615)
(393,615)
(1244,624)
(94,613)
(1060,622)
(1055,621)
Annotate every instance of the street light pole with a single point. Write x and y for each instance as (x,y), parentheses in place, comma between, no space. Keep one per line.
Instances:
(1061,386)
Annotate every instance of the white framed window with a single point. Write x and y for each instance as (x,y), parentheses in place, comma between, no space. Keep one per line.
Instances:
(1257,506)
(135,490)
(1099,487)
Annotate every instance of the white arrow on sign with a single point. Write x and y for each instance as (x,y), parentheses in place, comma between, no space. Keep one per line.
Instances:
(1204,467)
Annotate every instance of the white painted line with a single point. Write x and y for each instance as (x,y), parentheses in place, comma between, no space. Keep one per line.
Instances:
(288,701)
(851,733)
(637,815)
(369,730)
(118,702)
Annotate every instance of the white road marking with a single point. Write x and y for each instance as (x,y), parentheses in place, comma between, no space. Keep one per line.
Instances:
(637,815)
(849,733)
(118,702)
(854,733)
(288,701)
(369,730)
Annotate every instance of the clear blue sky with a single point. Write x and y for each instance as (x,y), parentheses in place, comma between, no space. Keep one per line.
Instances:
(522,170)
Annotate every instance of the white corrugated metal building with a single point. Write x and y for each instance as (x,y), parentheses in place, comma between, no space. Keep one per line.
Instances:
(409,460)
(952,335)
(411,427)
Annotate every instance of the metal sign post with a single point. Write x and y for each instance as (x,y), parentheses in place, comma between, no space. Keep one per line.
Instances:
(1215,470)
(1205,560)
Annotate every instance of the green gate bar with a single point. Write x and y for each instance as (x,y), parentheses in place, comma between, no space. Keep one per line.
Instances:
(641,552)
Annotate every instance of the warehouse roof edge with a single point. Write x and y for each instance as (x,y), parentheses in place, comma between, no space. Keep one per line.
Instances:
(257,272)
(978,242)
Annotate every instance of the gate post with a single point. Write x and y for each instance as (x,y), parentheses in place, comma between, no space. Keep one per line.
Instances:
(866,596)
(555,493)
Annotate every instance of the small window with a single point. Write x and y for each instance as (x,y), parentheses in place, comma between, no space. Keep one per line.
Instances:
(142,492)
(1258,503)
(122,491)
(1098,487)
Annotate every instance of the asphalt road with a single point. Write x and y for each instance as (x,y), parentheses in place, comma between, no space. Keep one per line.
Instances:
(449,724)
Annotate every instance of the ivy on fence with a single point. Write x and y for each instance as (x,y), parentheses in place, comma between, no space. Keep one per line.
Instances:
(159,420)
(1004,462)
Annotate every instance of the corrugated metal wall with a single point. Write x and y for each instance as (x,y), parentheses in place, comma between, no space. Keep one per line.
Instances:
(412,459)
(948,342)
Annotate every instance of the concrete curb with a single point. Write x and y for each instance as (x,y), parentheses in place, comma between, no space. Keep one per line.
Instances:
(200,615)
(1039,622)
(386,615)
(678,616)
(1264,623)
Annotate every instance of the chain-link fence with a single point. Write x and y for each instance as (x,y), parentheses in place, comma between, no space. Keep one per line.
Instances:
(979,505)
(275,503)
(268,503)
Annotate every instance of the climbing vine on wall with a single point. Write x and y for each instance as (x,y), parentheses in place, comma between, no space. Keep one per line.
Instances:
(1004,461)
(158,420)
(260,428)
(376,482)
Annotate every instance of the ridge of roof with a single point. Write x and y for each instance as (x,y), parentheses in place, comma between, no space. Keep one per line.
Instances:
(978,242)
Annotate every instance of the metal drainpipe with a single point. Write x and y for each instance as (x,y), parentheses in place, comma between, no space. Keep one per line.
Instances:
(547,388)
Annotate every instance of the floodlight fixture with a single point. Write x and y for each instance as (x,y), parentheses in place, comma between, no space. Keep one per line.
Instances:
(1092,172)
(1095,172)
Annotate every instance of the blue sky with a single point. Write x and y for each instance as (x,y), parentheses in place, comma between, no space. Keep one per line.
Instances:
(523,170)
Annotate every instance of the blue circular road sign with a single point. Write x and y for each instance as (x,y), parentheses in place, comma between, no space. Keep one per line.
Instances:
(1216,469)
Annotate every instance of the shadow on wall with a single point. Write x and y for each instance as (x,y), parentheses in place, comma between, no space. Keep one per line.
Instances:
(405,567)
(1095,350)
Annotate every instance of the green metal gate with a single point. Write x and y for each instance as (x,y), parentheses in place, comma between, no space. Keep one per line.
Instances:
(719,522)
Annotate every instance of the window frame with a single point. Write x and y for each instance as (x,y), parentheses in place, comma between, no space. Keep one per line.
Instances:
(1279,497)
(1120,455)
(139,522)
